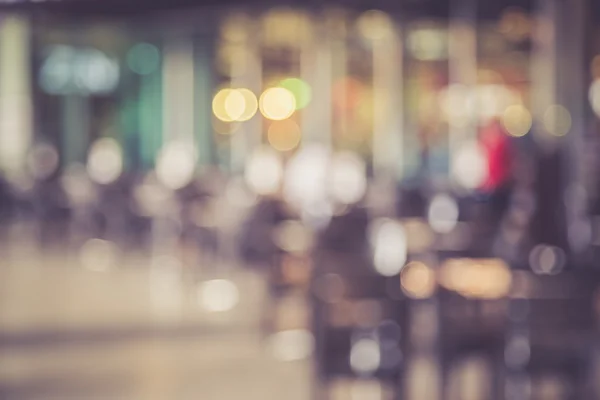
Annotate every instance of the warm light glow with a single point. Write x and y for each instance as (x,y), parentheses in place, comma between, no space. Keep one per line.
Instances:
(105,161)
(300,89)
(365,356)
(250,104)
(348,178)
(477,278)
(418,280)
(293,237)
(234,105)
(176,165)
(277,103)
(419,235)
(218,295)
(284,135)
(594,96)
(457,104)
(557,120)
(292,345)
(306,176)
(469,166)
(428,44)
(375,25)
(517,120)
(264,171)
(218,105)
(389,243)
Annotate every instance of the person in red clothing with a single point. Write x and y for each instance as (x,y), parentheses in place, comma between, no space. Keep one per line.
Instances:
(496,145)
(497,186)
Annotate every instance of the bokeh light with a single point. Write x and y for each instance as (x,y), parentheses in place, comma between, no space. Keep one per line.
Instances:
(365,356)
(176,165)
(547,260)
(469,166)
(250,104)
(443,213)
(264,171)
(284,135)
(218,105)
(375,25)
(428,44)
(218,295)
(348,178)
(277,103)
(143,58)
(292,345)
(105,161)
(457,104)
(389,243)
(594,96)
(476,278)
(417,280)
(234,105)
(306,176)
(517,120)
(300,89)
(293,237)
(557,120)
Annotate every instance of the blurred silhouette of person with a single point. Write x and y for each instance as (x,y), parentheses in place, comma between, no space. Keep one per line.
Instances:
(497,186)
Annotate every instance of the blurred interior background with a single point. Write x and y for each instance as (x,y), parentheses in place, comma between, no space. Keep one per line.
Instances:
(301,200)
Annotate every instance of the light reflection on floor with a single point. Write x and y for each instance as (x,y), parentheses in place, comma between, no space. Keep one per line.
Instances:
(69,332)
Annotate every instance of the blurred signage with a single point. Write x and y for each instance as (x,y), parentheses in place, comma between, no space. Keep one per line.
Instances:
(84,71)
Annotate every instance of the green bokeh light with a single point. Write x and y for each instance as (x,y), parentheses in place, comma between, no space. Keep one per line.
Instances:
(143,58)
(300,89)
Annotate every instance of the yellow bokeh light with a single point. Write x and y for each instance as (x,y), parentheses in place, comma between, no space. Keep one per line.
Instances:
(250,104)
(234,105)
(284,135)
(219,107)
(375,25)
(418,280)
(476,278)
(517,120)
(557,120)
(277,103)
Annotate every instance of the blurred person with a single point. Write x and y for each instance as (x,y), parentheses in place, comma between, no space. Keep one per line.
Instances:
(497,186)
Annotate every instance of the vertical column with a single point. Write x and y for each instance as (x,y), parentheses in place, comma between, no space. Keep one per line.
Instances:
(150,116)
(387,104)
(462,65)
(572,94)
(178,90)
(204,87)
(15,93)
(543,65)
(76,128)
(246,73)
(318,116)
